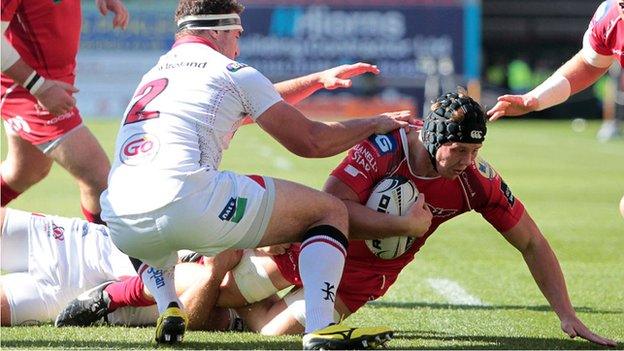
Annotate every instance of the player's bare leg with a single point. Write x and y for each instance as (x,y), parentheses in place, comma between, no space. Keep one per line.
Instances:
(320,222)
(5,309)
(89,167)
(273,316)
(24,166)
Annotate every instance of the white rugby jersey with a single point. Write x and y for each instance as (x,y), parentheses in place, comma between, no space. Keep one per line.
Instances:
(181,118)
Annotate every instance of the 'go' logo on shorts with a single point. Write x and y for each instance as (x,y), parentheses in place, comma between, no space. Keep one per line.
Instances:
(17,124)
(139,148)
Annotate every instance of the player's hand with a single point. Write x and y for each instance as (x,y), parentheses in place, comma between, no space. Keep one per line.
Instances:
(55,96)
(389,121)
(118,8)
(574,327)
(274,250)
(339,77)
(419,216)
(512,105)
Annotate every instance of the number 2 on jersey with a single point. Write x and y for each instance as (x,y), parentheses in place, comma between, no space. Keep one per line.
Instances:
(145,95)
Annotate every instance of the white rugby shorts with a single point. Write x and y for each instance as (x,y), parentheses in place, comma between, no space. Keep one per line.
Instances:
(232,212)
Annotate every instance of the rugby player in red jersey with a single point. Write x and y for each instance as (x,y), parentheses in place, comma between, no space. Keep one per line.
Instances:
(39,47)
(440,158)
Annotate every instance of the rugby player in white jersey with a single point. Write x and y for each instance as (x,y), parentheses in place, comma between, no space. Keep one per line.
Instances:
(166,192)
(49,260)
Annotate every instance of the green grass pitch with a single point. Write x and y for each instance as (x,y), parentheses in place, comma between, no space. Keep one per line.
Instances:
(569,182)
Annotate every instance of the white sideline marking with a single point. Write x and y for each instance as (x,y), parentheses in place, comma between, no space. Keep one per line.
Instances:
(453,292)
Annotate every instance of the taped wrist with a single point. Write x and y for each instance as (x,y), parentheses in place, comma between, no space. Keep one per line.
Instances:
(33,82)
(553,91)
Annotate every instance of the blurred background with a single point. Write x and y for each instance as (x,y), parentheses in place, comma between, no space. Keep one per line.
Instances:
(423,47)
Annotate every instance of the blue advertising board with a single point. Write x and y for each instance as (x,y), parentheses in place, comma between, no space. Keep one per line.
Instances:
(409,40)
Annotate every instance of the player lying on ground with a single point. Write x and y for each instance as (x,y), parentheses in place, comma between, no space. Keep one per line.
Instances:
(49,260)
(441,160)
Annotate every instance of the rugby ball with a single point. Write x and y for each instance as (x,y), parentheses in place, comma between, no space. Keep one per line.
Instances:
(392,195)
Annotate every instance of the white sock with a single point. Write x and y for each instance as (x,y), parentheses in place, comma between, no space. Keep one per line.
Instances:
(160,283)
(321,261)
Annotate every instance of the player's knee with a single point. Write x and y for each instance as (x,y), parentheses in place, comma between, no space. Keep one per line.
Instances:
(21,176)
(336,215)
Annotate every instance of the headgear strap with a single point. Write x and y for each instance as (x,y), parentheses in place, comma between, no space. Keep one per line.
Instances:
(445,123)
(230,21)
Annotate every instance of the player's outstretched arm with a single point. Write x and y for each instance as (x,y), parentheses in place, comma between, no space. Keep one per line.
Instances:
(118,8)
(574,76)
(314,139)
(297,89)
(544,267)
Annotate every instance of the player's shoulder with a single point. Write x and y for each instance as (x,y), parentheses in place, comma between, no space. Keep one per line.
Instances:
(240,72)
(384,144)
(483,170)
(480,178)
(606,12)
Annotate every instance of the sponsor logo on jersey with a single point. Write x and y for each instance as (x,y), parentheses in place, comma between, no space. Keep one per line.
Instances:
(364,158)
(507,192)
(485,169)
(60,118)
(85,229)
(138,149)
(102,230)
(354,172)
(58,232)
(441,212)
(234,210)
(157,276)
(384,143)
(172,65)
(235,66)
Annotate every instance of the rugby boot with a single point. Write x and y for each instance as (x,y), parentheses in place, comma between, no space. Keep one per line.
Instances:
(87,309)
(341,337)
(171,325)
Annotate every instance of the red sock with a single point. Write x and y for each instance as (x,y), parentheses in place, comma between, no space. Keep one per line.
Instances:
(128,292)
(7,193)
(91,217)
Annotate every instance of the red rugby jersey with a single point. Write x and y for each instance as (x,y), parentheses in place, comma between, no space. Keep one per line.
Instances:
(46,34)
(606,31)
(478,188)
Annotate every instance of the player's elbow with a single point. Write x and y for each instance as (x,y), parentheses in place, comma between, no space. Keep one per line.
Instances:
(309,146)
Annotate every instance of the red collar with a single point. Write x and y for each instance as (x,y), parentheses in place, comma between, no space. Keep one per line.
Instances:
(194,39)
